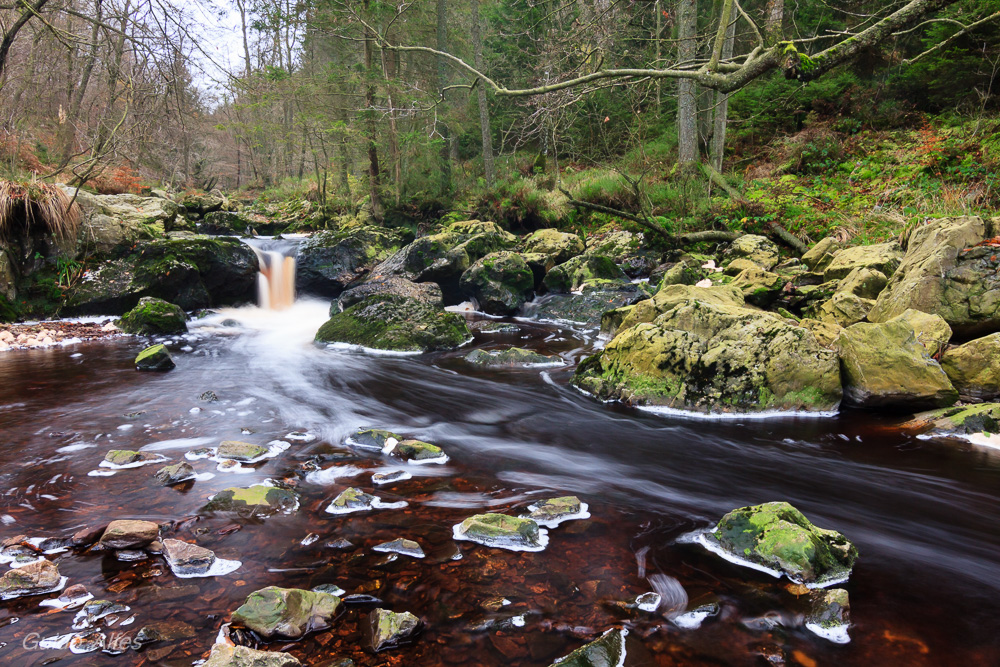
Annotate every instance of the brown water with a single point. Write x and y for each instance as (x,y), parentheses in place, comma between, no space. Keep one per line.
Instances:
(923,515)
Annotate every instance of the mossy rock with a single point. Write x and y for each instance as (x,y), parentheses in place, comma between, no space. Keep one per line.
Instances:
(864,282)
(154,317)
(500,282)
(397,323)
(607,651)
(883,257)
(174,474)
(554,245)
(373,438)
(225,655)
(883,365)
(228,223)
(329,261)
(287,613)
(429,293)
(154,358)
(123,457)
(589,306)
(352,499)
(820,255)
(628,250)
(571,275)
(512,357)
(760,288)
(760,250)
(240,451)
(417,450)
(959,420)
(390,629)
(705,353)
(974,368)
(842,309)
(779,537)
(500,530)
(932,331)
(257,500)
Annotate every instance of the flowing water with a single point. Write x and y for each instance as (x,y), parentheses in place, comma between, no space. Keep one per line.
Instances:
(923,514)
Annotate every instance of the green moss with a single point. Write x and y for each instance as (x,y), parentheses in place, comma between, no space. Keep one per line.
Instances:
(393,322)
(153,316)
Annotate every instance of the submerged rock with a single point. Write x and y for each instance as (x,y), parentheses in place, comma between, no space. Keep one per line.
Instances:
(512,357)
(42,576)
(240,451)
(702,349)
(154,358)
(503,532)
(257,500)
(390,629)
(608,651)
(187,558)
(224,655)
(979,424)
(152,317)
(883,365)
(830,616)
(355,500)
(288,613)
(174,474)
(588,307)
(780,539)
(129,534)
(373,438)
(974,368)
(396,323)
(499,282)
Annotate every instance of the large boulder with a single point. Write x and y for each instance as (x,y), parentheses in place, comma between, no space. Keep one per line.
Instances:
(227,223)
(500,282)
(842,309)
(950,270)
(153,317)
(760,250)
(288,613)
(588,307)
(329,261)
(780,538)
(196,272)
(429,293)
(974,368)
(932,331)
(110,221)
(977,423)
(760,288)
(820,255)
(570,276)
(202,203)
(627,249)
(554,245)
(882,257)
(396,323)
(443,257)
(34,578)
(884,365)
(864,282)
(701,349)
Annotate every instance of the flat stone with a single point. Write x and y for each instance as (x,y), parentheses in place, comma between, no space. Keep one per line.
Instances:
(123,457)
(224,655)
(187,558)
(502,531)
(401,546)
(129,534)
(174,474)
(286,612)
(240,451)
(256,500)
(34,578)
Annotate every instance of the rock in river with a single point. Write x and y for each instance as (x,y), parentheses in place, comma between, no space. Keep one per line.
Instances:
(117,458)
(512,357)
(154,358)
(778,539)
(286,612)
(240,451)
(979,424)
(974,368)
(608,651)
(129,534)
(418,451)
(502,532)
(553,511)
(224,655)
(154,317)
(174,474)
(257,500)
(389,629)
(500,282)
(356,500)
(830,616)
(42,576)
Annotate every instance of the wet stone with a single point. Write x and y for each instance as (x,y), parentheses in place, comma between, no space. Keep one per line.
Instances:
(401,546)
(829,617)
(373,438)
(257,500)
(224,655)
(88,643)
(187,558)
(96,611)
(129,534)
(339,543)
(124,457)
(390,477)
(503,532)
(608,651)
(174,474)
(553,511)
(417,450)
(154,358)
(131,555)
(356,500)
(209,397)
(286,612)
(390,629)
(32,579)
(240,451)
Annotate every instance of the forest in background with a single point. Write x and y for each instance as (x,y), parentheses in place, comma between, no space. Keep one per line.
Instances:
(330,108)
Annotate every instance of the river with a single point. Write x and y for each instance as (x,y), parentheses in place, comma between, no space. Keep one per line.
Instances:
(923,514)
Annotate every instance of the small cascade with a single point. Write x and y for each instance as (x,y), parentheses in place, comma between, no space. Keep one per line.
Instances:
(276,280)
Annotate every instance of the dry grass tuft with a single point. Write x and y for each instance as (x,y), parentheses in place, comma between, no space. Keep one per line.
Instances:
(35,205)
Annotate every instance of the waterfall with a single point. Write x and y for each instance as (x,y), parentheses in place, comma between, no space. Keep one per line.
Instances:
(276,280)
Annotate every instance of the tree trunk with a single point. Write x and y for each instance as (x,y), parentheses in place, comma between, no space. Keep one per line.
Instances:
(11,32)
(373,171)
(687,106)
(442,81)
(722,105)
(484,110)
(68,140)
(773,23)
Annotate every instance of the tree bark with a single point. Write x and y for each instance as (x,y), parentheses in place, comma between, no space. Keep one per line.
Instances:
(687,106)
(373,171)
(484,110)
(722,105)
(442,81)
(8,36)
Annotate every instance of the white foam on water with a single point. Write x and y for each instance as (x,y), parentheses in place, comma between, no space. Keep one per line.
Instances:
(391,477)
(389,446)
(350,347)
(837,634)
(518,621)
(128,621)
(126,427)
(311,538)
(178,443)
(649,602)
(543,540)
(440,460)
(220,567)
(15,564)
(76,355)
(377,504)
(60,603)
(74,448)
(194,411)
(330,475)
(57,642)
(7,519)
(203,476)
(300,436)
(766,414)
(102,473)
(691,620)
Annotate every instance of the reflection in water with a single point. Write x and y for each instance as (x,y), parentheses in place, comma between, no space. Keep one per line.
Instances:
(921,513)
